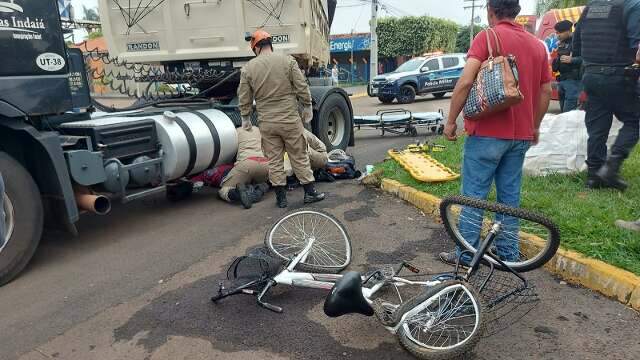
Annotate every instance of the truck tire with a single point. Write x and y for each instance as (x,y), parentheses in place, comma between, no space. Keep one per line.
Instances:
(24,218)
(334,122)
(407,94)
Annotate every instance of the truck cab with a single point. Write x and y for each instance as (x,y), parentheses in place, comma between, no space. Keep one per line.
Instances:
(435,75)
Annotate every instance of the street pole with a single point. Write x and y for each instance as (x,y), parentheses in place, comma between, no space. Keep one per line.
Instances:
(351,72)
(373,61)
(473,7)
(471,28)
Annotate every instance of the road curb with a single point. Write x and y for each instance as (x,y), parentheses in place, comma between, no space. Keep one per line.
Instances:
(358,95)
(575,268)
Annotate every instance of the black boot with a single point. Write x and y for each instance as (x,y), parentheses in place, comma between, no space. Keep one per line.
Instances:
(256,192)
(609,173)
(241,194)
(311,195)
(593,181)
(281,196)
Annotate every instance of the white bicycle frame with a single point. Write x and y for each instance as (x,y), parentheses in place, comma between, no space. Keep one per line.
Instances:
(290,277)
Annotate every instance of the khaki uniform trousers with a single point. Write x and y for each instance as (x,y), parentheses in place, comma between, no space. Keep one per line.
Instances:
(278,138)
(244,172)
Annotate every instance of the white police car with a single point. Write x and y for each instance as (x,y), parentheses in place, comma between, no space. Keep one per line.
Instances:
(435,75)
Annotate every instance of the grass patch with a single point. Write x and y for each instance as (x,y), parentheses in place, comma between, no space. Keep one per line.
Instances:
(585,217)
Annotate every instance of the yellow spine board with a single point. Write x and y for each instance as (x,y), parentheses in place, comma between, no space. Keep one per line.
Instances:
(423,167)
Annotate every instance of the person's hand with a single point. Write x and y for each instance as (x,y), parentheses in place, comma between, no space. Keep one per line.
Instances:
(536,137)
(566,59)
(307,114)
(246,123)
(450,131)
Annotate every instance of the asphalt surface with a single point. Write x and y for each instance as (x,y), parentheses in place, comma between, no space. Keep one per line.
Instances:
(135,285)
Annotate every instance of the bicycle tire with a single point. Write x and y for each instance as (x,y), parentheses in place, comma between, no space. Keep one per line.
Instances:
(456,352)
(307,266)
(548,252)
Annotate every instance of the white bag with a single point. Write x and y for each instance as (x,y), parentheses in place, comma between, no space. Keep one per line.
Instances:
(563,145)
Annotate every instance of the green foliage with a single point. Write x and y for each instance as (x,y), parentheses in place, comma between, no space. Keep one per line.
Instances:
(546,5)
(95,34)
(415,35)
(463,41)
(585,217)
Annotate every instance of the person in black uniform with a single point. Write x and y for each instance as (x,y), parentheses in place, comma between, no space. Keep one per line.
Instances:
(569,84)
(607,37)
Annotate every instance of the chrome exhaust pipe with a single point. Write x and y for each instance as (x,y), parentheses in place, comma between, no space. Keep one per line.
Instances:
(97,204)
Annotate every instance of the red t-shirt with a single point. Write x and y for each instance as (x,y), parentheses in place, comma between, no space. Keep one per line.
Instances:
(515,123)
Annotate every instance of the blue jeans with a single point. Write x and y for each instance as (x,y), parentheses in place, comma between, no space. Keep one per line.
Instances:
(569,92)
(487,160)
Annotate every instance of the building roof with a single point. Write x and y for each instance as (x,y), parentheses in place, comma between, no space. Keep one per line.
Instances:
(348,36)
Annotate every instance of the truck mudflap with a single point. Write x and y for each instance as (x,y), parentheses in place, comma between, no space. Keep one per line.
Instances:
(51,173)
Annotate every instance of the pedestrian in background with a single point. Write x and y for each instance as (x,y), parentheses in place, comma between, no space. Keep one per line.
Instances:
(607,37)
(335,75)
(276,84)
(569,67)
(496,144)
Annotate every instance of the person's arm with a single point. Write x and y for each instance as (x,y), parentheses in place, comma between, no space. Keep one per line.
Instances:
(478,53)
(576,48)
(245,95)
(299,83)
(315,143)
(541,110)
(632,16)
(460,95)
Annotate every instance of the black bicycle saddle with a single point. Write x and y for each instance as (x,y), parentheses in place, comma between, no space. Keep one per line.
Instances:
(346,297)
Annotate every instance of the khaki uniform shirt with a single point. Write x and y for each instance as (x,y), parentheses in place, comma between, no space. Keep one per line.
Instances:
(314,143)
(276,84)
(249,144)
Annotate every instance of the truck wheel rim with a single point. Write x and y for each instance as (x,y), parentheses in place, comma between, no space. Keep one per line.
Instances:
(335,127)
(9,220)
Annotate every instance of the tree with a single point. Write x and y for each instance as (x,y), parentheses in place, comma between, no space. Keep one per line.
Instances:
(463,41)
(415,35)
(90,14)
(95,34)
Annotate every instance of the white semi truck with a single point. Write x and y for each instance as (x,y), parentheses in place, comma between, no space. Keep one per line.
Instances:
(60,158)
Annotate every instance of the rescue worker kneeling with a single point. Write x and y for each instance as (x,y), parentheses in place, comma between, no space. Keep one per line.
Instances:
(316,150)
(276,84)
(245,182)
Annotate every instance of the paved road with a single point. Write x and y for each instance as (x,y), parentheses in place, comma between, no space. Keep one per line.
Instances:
(135,285)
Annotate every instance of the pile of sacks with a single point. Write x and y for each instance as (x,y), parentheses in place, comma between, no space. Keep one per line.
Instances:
(563,145)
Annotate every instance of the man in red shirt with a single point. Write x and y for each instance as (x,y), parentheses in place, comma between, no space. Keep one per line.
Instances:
(496,144)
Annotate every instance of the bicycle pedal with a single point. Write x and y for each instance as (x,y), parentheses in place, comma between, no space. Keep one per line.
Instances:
(411,267)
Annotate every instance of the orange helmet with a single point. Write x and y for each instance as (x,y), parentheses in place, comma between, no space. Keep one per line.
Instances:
(258,36)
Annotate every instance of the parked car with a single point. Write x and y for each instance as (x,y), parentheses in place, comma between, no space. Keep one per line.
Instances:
(435,75)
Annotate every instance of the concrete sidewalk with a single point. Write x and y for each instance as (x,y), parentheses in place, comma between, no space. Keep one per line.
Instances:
(176,320)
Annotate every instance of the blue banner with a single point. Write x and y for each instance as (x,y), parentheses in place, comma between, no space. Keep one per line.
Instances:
(358,43)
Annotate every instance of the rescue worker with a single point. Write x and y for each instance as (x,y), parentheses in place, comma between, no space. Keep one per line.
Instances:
(276,84)
(244,182)
(318,158)
(317,151)
(569,67)
(607,37)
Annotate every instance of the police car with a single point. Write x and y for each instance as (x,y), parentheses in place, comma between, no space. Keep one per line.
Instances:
(435,75)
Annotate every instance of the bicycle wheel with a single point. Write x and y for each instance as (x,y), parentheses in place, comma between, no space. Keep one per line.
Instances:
(525,241)
(331,250)
(444,322)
